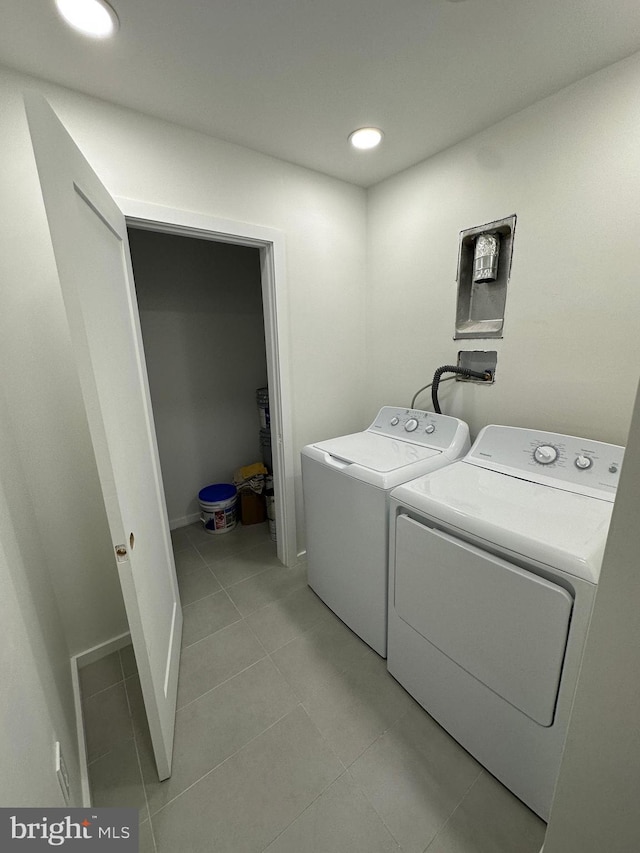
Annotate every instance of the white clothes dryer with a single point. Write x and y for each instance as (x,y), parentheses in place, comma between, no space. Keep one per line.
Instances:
(346,484)
(494,563)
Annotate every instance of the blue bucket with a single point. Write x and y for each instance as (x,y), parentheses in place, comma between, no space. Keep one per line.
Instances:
(218,507)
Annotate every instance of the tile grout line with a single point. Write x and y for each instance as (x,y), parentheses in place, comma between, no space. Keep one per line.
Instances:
(195,568)
(108,752)
(264,657)
(297,636)
(102,689)
(362,790)
(291,640)
(310,627)
(219,592)
(124,677)
(210,595)
(206,636)
(243,619)
(239,553)
(235,583)
(233,553)
(267,654)
(380,817)
(224,761)
(229,556)
(126,692)
(221,683)
(375,740)
(207,594)
(249,577)
(136,735)
(326,742)
(257,638)
(144,791)
(450,818)
(266,604)
(213,633)
(345,772)
(211,569)
(304,699)
(306,808)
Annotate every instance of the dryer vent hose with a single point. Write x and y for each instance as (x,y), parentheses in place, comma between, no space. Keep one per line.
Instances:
(461,371)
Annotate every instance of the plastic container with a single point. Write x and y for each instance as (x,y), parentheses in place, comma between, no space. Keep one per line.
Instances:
(262,398)
(218,507)
(271,507)
(265,449)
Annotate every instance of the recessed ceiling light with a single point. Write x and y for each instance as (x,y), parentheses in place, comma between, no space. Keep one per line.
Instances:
(93,18)
(365,137)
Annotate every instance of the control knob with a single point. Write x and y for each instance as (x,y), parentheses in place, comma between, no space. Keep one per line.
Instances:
(395,420)
(545,454)
(583,462)
(430,428)
(411,425)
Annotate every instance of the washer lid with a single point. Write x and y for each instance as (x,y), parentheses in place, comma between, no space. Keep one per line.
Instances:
(561,529)
(375,452)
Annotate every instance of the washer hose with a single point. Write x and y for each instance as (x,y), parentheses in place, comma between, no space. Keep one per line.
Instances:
(461,371)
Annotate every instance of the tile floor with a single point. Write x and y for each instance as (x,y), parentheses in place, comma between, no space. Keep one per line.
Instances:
(291,737)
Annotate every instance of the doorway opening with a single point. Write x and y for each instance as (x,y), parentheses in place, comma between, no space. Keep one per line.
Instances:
(255,258)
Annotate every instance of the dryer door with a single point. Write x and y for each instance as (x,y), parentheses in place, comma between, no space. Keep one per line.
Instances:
(503,625)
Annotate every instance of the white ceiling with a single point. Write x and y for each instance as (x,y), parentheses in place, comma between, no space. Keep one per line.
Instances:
(292,78)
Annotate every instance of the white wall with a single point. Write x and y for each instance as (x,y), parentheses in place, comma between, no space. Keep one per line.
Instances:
(36,701)
(596,802)
(323,221)
(28,731)
(570,357)
(66,564)
(203,331)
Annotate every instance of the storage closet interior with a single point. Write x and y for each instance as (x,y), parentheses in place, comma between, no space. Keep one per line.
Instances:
(201,314)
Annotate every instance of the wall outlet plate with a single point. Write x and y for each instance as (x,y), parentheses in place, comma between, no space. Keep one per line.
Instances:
(62,773)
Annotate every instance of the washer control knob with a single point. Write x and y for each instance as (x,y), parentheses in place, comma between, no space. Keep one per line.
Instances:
(613,468)
(430,428)
(395,421)
(411,425)
(583,462)
(545,454)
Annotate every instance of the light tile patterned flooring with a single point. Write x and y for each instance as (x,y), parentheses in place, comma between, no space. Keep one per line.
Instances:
(291,737)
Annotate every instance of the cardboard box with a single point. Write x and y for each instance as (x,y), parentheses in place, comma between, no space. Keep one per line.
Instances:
(252,508)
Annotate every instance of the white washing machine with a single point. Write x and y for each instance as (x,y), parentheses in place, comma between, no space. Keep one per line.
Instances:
(346,483)
(494,563)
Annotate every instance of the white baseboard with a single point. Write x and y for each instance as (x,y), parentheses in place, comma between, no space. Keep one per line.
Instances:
(77,663)
(102,650)
(175,523)
(82,746)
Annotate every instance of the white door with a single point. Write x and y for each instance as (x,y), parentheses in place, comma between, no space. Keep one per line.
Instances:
(89,238)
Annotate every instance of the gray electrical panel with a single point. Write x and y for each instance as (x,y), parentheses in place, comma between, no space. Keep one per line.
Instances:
(484,265)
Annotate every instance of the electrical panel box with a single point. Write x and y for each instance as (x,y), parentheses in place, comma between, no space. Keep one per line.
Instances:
(484,266)
(483,361)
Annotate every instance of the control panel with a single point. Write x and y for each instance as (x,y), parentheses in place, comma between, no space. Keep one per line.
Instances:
(416,426)
(564,461)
